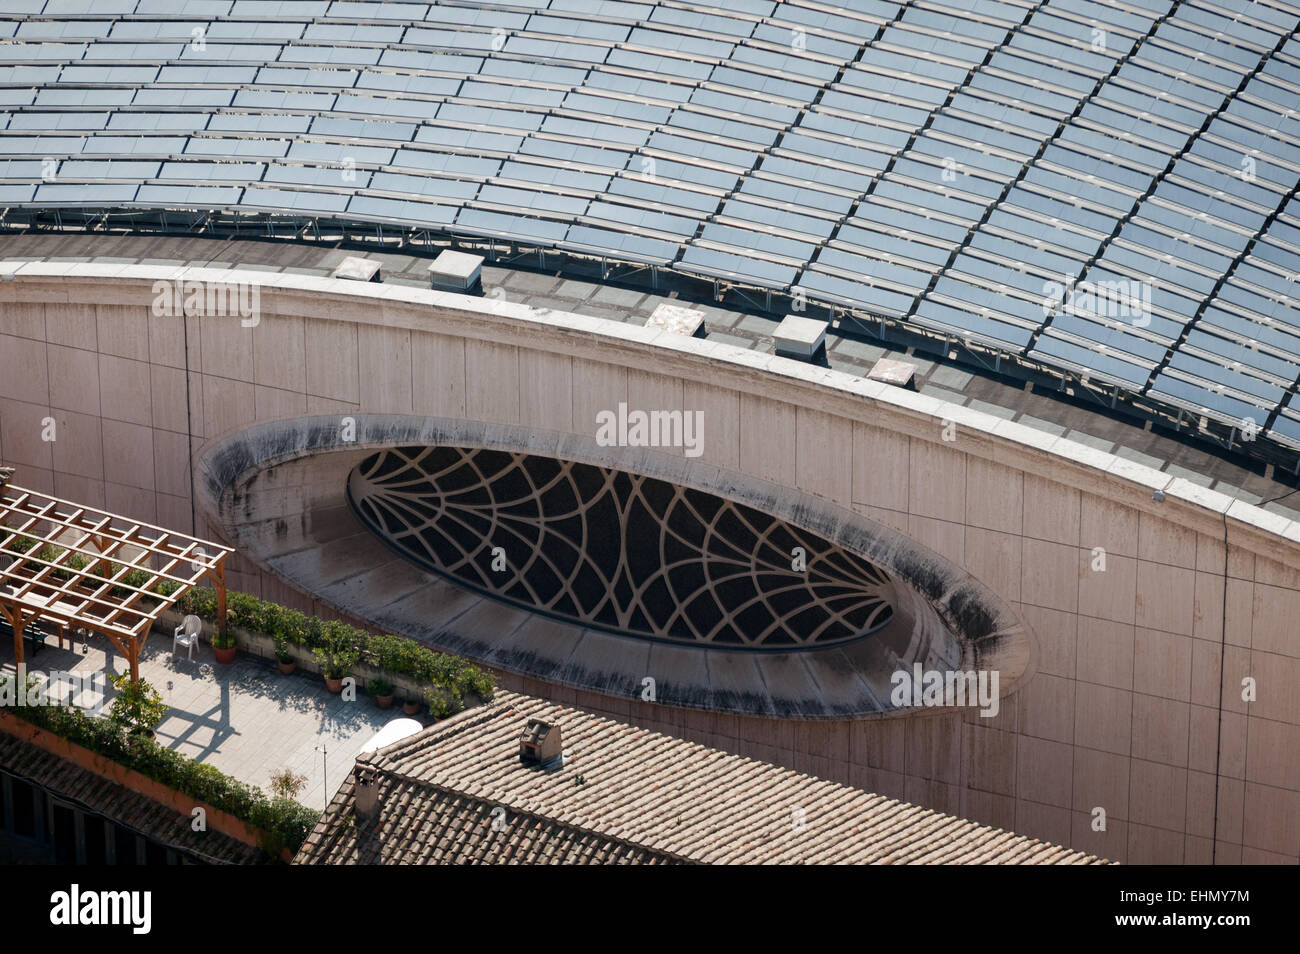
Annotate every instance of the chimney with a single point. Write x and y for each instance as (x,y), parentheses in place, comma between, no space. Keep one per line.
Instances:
(366,793)
(540,744)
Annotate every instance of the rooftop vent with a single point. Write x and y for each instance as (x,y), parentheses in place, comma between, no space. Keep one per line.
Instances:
(457,272)
(799,338)
(540,744)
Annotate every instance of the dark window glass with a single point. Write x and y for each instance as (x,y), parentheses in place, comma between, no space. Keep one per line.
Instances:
(24,809)
(93,837)
(125,846)
(65,834)
(154,853)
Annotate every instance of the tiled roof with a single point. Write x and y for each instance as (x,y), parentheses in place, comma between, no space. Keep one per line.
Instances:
(626,794)
(423,824)
(98,794)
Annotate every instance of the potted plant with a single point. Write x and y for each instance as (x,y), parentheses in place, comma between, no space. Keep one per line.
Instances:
(441,702)
(223,647)
(283,657)
(336,664)
(411,706)
(138,706)
(381,690)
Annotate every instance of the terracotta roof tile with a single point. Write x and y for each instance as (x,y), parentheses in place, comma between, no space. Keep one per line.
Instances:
(645,798)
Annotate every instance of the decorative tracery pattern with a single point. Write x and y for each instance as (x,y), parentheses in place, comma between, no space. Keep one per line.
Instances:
(622,552)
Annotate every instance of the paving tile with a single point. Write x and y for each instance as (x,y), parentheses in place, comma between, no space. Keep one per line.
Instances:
(1088,440)
(1138,457)
(246,719)
(950,377)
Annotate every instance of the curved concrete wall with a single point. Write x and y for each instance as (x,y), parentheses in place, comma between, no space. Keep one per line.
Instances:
(1132,701)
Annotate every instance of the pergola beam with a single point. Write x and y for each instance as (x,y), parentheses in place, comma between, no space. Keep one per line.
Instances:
(98,554)
(30,587)
(41,577)
(49,512)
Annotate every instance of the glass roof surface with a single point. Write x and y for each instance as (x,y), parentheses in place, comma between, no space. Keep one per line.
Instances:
(939,164)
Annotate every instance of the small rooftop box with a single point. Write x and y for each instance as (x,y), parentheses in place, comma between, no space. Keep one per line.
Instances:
(456,271)
(799,337)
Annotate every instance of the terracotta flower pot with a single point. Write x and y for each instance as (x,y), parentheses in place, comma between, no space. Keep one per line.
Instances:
(225,655)
(384,702)
(286,668)
(410,708)
(334,685)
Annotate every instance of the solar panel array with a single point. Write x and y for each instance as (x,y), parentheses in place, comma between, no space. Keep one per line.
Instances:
(1106,188)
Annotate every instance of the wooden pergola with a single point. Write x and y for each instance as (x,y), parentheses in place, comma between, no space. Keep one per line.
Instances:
(91,593)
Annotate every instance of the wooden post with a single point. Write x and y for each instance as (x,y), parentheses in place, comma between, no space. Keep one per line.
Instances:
(134,646)
(15,618)
(220,571)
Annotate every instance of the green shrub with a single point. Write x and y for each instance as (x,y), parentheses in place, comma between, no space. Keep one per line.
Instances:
(282,654)
(200,601)
(342,646)
(138,706)
(442,702)
(336,662)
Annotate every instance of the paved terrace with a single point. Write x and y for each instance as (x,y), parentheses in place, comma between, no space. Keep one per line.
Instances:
(1083,420)
(245,718)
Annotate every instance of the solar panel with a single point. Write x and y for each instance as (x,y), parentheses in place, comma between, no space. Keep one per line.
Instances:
(620,245)
(717,264)
(284,200)
(379,11)
(510,227)
(423,214)
(424,185)
(321,176)
(942,173)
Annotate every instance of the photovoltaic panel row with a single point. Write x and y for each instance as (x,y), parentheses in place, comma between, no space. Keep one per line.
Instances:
(942,170)
(944,163)
(1191,202)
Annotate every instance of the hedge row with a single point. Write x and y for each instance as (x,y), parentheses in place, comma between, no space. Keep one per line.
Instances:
(285,822)
(397,655)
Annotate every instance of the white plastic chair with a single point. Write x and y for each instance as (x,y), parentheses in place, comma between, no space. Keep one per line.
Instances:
(187,634)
